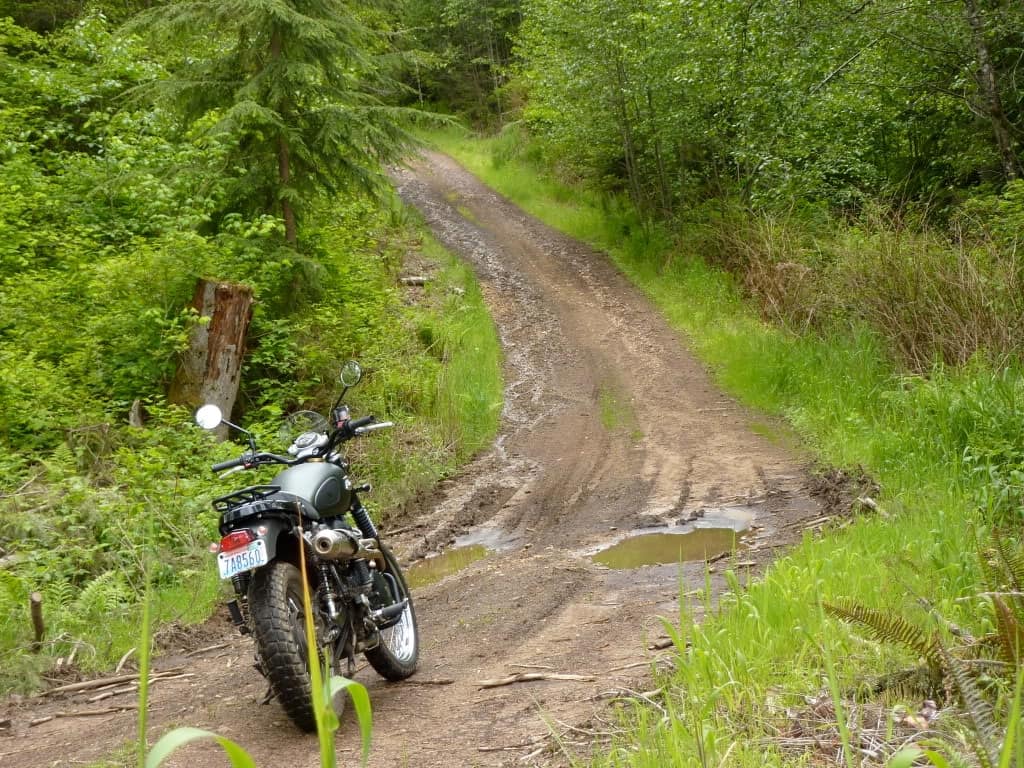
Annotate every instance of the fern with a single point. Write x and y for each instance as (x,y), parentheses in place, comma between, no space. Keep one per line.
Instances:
(58,596)
(892,628)
(1011,558)
(1009,631)
(102,596)
(985,735)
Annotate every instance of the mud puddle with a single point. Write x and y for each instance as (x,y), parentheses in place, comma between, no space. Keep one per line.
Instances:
(431,570)
(465,550)
(707,535)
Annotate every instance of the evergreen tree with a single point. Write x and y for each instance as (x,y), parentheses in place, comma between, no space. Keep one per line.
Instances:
(297,84)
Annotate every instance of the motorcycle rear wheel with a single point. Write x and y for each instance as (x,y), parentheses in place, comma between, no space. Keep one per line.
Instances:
(397,655)
(278,622)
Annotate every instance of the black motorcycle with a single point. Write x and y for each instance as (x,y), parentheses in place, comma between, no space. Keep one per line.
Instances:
(361,603)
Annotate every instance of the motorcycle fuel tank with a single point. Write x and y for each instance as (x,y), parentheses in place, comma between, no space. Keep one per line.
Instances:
(322,483)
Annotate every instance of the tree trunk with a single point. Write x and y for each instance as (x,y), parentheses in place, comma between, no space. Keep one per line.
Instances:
(626,129)
(284,165)
(989,84)
(284,175)
(210,370)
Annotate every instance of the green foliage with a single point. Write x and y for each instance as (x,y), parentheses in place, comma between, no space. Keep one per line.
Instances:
(295,91)
(752,661)
(892,628)
(966,664)
(468,47)
(110,212)
(677,102)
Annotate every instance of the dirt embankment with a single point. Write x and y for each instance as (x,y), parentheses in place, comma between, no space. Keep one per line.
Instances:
(609,426)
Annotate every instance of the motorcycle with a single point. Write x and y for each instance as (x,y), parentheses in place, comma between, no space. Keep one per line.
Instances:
(361,603)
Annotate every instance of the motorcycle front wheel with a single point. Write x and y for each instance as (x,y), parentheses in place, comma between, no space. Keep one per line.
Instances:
(397,655)
(279,629)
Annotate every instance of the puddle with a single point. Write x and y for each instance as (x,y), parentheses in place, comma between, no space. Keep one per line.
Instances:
(668,548)
(714,532)
(433,569)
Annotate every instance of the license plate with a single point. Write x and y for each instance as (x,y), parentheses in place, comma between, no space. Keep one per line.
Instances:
(242,560)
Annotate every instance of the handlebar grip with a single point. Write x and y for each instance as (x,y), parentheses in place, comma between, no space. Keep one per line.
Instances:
(355,424)
(221,466)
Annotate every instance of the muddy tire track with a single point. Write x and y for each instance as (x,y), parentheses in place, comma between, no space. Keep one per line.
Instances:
(609,426)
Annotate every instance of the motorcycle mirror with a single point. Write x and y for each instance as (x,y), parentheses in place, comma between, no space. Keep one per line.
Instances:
(351,373)
(209,416)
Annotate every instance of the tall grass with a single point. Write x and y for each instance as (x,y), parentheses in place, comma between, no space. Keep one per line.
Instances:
(947,448)
(75,541)
(469,386)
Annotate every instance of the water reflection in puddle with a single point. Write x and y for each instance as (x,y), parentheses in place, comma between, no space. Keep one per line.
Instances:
(666,548)
(714,533)
(433,569)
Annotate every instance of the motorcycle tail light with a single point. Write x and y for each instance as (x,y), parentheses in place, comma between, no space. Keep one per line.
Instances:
(237,540)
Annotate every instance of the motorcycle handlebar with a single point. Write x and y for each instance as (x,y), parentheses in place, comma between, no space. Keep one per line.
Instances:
(221,466)
(249,460)
(351,428)
(373,427)
(355,424)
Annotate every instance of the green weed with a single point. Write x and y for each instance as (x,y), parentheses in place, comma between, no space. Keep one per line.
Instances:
(939,445)
(72,521)
(324,689)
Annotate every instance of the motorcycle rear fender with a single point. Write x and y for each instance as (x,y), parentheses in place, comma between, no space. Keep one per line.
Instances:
(277,538)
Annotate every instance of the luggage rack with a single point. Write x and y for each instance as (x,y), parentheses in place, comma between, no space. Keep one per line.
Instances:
(244,496)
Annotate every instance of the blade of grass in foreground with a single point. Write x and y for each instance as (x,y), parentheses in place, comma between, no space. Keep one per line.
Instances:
(324,691)
(326,719)
(179,737)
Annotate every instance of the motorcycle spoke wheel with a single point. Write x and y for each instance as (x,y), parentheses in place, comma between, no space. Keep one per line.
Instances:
(397,655)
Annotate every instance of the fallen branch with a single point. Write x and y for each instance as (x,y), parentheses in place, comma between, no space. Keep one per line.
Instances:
(531,666)
(207,649)
(134,686)
(635,664)
(512,747)
(97,712)
(530,677)
(124,660)
(87,685)
(660,644)
(413,280)
(533,754)
(439,681)
(112,693)
(82,713)
(621,693)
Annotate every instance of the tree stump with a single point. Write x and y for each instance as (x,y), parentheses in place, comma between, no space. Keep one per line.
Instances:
(35,602)
(210,369)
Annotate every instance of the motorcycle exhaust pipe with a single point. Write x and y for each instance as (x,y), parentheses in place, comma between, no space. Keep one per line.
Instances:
(335,545)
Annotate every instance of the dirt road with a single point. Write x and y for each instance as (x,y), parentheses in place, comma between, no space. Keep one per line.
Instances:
(609,426)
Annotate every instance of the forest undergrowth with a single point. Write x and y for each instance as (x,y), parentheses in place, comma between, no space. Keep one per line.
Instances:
(112,208)
(893,352)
